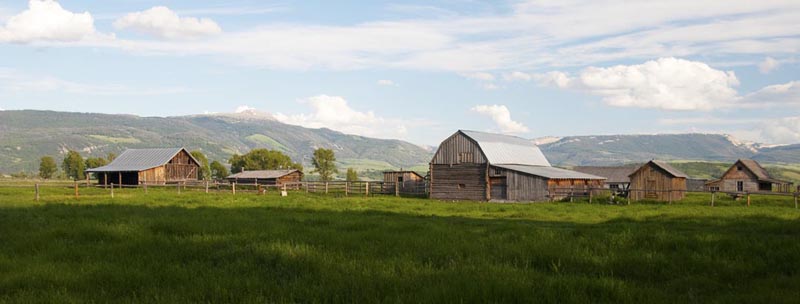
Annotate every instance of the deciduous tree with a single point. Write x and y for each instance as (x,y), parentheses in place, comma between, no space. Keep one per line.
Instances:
(47,167)
(73,165)
(324,163)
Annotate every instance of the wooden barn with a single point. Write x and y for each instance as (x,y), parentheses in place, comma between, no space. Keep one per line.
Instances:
(480,166)
(617,178)
(404,178)
(747,175)
(151,166)
(657,180)
(267,177)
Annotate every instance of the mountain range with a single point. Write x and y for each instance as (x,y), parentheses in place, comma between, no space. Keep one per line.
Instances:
(27,135)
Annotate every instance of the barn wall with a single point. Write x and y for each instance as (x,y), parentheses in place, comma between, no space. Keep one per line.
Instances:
(458,182)
(450,149)
(181,167)
(293,177)
(391,177)
(524,187)
(660,181)
(734,175)
(155,175)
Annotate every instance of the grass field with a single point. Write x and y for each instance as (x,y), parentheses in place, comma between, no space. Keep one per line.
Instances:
(197,247)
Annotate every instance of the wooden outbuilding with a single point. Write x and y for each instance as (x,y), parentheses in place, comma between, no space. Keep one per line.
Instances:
(404,178)
(471,165)
(151,166)
(617,177)
(267,177)
(657,180)
(747,175)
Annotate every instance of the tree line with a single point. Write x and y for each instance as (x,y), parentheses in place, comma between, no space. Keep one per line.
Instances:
(323,160)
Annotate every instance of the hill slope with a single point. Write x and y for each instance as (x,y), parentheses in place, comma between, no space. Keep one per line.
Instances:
(27,135)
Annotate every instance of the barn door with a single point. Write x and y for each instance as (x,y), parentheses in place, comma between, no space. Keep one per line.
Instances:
(499,188)
(651,189)
(740,186)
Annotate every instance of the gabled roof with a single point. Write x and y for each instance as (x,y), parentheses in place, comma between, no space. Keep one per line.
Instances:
(549,172)
(663,166)
(759,171)
(618,174)
(509,150)
(405,171)
(263,174)
(141,159)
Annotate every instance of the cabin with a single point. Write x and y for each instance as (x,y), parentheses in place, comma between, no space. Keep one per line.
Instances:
(617,178)
(267,177)
(149,166)
(747,175)
(471,165)
(657,180)
(405,179)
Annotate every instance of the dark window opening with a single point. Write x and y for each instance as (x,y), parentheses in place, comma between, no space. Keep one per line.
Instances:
(497,171)
(613,186)
(462,186)
(738,168)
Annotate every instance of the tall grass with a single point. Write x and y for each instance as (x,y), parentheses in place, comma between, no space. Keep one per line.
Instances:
(197,247)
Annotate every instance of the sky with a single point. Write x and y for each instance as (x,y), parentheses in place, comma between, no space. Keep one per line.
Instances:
(418,70)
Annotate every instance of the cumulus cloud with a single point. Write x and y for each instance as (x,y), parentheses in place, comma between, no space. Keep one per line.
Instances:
(482,76)
(666,83)
(46,20)
(768,65)
(781,131)
(386,82)
(501,117)
(774,95)
(334,112)
(162,22)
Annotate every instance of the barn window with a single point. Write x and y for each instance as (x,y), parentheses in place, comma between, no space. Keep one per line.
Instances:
(739,168)
(497,171)
(613,186)
(462,186)
(465,157)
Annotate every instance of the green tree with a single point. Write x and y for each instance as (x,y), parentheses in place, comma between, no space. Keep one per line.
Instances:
(262,159)
(205,170)
(352,176)
(111,157)
(73,165)
(47,167)
(324,164)
(95,162)
(218,170)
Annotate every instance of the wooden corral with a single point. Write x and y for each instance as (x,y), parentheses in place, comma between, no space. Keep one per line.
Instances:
(267,177)
(657,180)
(481,166)
(747,175)
(150,166)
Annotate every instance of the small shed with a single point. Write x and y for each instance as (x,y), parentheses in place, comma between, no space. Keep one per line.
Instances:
(747,175)
(267,177)
(151,166)
(657,180)
(617,178)
(402,176)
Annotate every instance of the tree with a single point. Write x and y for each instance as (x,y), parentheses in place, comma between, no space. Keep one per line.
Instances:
(111,157)
(324,164)
(47,167)
(352,176)
(73,165)
(218,171)
(95,162)
(262,159)
(205,170)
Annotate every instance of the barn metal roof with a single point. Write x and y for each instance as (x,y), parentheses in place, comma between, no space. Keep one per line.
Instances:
(550,172)
(504,149)
(140,160)
(262,174)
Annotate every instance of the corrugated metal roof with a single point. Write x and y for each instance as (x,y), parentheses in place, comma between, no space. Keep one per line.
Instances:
(612,174)
(549,172)
(504,149)
(140,160)
(262,174)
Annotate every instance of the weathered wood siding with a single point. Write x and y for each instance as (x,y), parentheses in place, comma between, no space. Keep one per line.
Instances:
(391,177)
(524,187)
(458,149)
(293,177)
(729,180)
(155,175)
(181,168)
(458,182)
(652,183)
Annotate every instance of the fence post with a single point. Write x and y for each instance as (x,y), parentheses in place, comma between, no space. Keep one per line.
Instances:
(326,187)
(748,199)
(366,190)
(629,196)
(590,195)
(397,189)
(77,195)
(669,193)
(713,195)
(179,187)
(144,184)
(112,190)
(795,201)
(37,191)
(346,188)
(233,188)
(259,189)
(570,194)
(206,186)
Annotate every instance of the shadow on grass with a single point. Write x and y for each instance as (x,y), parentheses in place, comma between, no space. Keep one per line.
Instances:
(125,253)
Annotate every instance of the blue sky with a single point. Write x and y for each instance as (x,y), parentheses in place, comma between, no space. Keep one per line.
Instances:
(417,70)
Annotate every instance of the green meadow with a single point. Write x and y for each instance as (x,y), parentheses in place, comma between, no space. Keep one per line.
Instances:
(162,246)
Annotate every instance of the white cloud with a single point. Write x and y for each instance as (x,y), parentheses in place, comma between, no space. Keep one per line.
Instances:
(46,20)
(768,65)
(781,131)
(15,81)
(481,76)
(501,117)
(162,22)
(517,76)
(666,83)
(244,109)
(335,113)
(774,95)
(386,82)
